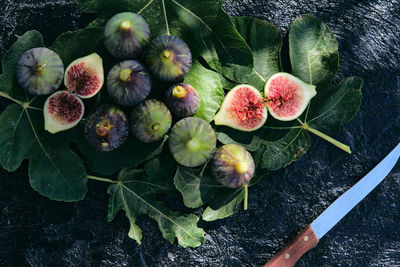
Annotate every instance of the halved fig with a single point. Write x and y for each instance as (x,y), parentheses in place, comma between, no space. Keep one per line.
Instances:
(85,76)
(168,58)
(192,141)
(128,83)
(243,109)
(40,71)
(287,96)
(183,100)
(126,34)
(62,111)
(107,129)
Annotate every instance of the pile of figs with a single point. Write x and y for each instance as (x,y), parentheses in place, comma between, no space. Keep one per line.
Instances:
(192,141)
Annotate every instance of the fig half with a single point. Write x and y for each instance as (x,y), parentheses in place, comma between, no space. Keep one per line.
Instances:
(168,58)
(287,96)
(62,111)
(128,83)
(40,71)
(150,120)
(107,129)
(183,100)
(85,76)
(126,34)
(243,109)
(192,141)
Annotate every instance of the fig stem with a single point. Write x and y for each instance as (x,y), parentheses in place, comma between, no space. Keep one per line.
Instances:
(246,195)
(101,179)
(326,137)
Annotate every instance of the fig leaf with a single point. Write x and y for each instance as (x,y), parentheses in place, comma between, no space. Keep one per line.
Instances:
(313,51)
(137,194)
(314,58)
(205,27)
(54,170)
(209,86)
(265,41)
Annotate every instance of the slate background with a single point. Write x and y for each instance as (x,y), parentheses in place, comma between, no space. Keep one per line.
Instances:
(35,231)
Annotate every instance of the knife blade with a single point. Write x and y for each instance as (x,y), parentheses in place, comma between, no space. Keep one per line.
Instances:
(309,237)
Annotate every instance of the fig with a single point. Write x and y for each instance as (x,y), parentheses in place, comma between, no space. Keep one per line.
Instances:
(128,83)
(168,58)
(85,76)
(192,141)
(62,111)
(40,71)
(107,128)
(243,109)
(233,166)
(287,96)
(150,121)
(125,35)
(182,99)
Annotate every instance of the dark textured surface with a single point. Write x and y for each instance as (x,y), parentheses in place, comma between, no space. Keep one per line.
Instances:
(38,232)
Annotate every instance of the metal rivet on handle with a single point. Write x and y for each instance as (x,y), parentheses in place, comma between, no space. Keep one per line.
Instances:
(306,238)
(287,256)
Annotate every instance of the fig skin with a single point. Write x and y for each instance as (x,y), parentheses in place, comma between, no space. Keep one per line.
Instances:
(287,96)
(233,166)
(129,83)
(168,58)
(243,109)
(40,71)
(85,76)
(125,35)
(62,111)
(107,128)
(150,121)
(183,100)
(192,141)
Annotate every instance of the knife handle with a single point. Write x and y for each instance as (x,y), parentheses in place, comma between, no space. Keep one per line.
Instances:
(290,254)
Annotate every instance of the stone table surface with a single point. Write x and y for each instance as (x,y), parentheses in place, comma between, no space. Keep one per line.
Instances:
(35,231)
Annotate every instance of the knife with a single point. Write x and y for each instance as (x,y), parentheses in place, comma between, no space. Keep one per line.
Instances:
(309,237)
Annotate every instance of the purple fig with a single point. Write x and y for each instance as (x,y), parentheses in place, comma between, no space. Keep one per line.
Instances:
(107,129)
(126,34)
(168,58)
(150,120)
(183,100)
(128,83)
(40,71)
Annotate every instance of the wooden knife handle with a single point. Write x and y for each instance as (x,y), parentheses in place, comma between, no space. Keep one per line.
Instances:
(290,254)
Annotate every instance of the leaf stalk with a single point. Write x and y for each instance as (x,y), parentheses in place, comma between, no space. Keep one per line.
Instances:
(336,143)
(102,179)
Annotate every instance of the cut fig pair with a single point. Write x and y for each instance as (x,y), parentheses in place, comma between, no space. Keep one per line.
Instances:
(285,97)
(84,78)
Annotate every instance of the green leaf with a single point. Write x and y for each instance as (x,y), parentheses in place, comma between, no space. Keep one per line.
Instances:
(335,105)
(204,25)
(137,194)
(224,204)
(313,51)
(208,85)
(265,42)
(54,170)
(129,155)
(8,82)
(291,147)
(196,188)
(75,44)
